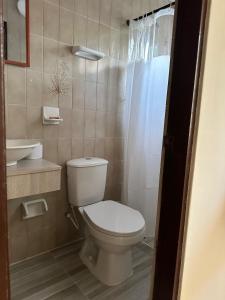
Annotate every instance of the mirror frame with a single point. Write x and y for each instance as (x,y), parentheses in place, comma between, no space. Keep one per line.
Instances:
(27,63)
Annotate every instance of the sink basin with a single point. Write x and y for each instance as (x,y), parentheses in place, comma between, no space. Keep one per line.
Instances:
(18,149)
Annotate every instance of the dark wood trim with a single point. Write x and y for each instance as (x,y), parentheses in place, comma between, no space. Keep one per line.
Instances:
(180,126)
(191,146)
(27,63)
(175,173)
(4,260)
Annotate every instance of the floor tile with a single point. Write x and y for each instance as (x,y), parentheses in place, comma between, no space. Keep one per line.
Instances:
(61,275)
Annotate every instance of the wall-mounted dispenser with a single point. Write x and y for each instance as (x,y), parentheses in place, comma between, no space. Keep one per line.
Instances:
(87,53)
(34,208)
(51,116)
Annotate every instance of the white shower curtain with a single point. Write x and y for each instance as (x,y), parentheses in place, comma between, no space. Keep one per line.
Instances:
(146,91)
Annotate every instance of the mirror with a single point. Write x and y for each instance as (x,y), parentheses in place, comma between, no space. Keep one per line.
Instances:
(16,27)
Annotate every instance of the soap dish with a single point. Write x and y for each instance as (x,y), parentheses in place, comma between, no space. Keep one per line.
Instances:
(51,116)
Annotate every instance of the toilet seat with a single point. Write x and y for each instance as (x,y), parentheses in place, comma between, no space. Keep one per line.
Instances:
(113,218)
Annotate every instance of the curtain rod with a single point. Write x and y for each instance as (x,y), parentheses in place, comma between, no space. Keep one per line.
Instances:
(152,12)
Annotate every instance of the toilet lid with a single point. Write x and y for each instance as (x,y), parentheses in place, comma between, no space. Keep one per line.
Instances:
(114,218)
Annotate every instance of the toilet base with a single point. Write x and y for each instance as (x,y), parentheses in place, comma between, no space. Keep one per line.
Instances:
(111,268)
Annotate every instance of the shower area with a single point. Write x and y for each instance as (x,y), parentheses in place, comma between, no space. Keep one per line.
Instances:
(145,94)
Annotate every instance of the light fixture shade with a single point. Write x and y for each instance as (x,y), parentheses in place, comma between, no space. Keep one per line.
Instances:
(87,53)
(21,7)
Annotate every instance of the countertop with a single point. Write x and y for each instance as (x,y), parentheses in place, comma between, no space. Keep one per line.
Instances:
(31,166)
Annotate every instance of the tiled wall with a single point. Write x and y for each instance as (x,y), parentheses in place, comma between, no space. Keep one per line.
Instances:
(92,109)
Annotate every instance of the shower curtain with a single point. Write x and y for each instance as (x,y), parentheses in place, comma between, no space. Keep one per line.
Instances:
(146,91)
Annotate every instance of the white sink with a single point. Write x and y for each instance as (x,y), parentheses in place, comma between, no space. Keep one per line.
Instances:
(18,149)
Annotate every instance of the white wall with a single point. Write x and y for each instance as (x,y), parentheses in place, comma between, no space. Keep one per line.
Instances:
(204,264)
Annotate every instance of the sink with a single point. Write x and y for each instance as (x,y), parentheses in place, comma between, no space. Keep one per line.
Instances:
(18,149)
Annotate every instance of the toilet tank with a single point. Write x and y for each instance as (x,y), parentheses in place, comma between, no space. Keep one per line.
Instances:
(86,179)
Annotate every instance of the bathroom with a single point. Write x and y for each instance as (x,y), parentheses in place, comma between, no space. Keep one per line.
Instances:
(73,70)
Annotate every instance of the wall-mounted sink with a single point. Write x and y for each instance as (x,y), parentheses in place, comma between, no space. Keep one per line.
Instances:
(18,149)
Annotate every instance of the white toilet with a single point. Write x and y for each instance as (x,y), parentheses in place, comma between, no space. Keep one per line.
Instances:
(111,228)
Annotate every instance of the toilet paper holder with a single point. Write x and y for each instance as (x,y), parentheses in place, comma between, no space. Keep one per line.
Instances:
(34,208)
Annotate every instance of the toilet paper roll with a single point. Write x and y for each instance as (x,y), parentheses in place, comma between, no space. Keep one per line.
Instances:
(37,153)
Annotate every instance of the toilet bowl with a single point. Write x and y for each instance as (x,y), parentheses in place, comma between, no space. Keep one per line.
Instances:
(112,230)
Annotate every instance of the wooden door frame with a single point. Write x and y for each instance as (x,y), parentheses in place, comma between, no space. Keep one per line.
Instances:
(180,124)
(181,121)
(4,260)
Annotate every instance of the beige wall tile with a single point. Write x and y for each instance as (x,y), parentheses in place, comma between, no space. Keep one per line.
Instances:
(48,98)
(91,70)
(50,56)
(89,147)
(119,148)
(50,150)
(127,9)
(65,127)
(92,35)
(65,56)
(104,39)
(119,125)
(34,88)
(49,238)
(66,101)
(77,148)
(112,99)
(79,67)
(19,247)
(78,93)
(115,44)
(103,70)
(34,122)
(16,227)
(110,124)
(89,127)
(36,52)
(109,149)
(101,97)
(50,132)
(69,4)
(105,12)
(78,123)
(113,73)
(56,2)
(16,88)
(81,7)
(51,21)
(116,14)
(90,95)
(35,238)
(17,122)
(36,16)
(94,9)
(64,150)
(101,121)
(80,30)
(66,26)
(118,171)
(100,148)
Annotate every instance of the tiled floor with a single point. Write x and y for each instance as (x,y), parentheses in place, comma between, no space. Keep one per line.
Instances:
(60,275)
